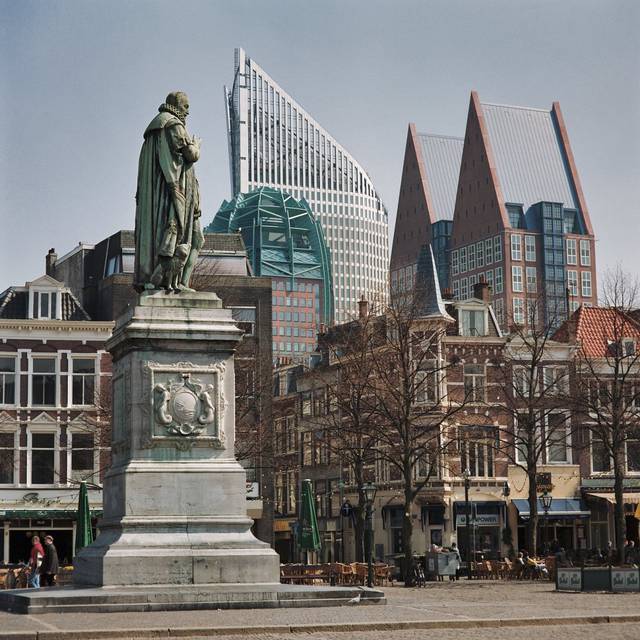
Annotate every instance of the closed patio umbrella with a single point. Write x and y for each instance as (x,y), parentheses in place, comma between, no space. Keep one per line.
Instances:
(84,534)
(309,537)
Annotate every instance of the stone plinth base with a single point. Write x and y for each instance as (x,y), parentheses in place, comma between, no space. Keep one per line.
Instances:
(171,598)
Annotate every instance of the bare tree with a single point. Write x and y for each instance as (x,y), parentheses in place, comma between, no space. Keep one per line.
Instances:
(607,394)
(411,403)
(534,377)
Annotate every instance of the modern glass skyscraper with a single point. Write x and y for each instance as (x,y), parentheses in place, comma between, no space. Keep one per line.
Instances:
(274,142)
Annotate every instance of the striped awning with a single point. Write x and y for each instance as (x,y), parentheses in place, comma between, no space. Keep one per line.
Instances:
(627,498)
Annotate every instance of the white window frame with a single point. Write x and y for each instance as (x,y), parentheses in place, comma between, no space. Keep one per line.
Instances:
(70,374)
(585,284)
(517,285)
(609,471)
(530,248)
(480,254)
(497,249)
(475,309)
(54,314)
(463,259)
(456,289)
(15,431)
(422,391)
(71,432)
(555,379)
(521,380)
(585,253)
(532,280)
(516,246)
(567,441)
(44,428)
(471,252)
(16,378)
(499,280)
(572,282)
(518,311)
(488,251)
(454,262)
(572,251)
(464,288)
(42,356)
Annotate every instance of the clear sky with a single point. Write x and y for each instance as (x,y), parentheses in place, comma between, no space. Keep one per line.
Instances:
(80,80)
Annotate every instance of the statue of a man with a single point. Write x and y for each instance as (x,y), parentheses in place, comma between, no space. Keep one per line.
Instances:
(168,232)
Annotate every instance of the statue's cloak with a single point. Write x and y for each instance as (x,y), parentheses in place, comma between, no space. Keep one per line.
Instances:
(160,226)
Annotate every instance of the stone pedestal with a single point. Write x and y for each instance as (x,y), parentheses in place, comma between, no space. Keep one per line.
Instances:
(174,497)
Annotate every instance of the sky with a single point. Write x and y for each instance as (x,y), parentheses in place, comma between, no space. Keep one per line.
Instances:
(81,79)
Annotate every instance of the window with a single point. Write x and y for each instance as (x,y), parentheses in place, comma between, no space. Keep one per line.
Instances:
(464,288)
(628,347)
(585,253)
(516,246)
(83,383)
(555,380)
(44,305)
(43,458)
(521,381)
(472,322)
(530,248)
(523,433)
(498,307)
(633,451)
(488,276)
(497,249)
(82,455)
(499,285)
(488,251)
(586,284)
(426,383)
(477,456)
(456,289)
(306,403)
(454,262)
(532,312)
(463,259)
(43,382)
(480,254)
(557,438)
(518,311)
(516,279)
(472,257)
(532,282)
(474,382)
(572,282)
(7,457)
(7,380)
(572,257)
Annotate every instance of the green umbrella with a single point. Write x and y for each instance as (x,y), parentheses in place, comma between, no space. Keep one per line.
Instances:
(309,538)
(84,534)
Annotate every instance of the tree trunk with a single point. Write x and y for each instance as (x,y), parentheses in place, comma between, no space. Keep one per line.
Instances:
(359,525)
(532,530)
(407,537)
(618,509)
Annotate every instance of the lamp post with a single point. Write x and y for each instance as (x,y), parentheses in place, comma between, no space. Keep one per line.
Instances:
(467,508)
(546,500)
(369,490)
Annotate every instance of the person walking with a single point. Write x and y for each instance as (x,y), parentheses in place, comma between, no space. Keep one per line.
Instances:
(35,561)
(49,566)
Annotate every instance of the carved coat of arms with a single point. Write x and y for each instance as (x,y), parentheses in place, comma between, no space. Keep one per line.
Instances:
(184,406)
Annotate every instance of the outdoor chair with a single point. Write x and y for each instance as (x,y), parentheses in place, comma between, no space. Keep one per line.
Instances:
(382,573)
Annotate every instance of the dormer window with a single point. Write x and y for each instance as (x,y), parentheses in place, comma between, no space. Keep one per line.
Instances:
(473,322)
(628,347)
(44,305)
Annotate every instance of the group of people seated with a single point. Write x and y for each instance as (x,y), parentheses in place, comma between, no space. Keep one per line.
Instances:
(531,566)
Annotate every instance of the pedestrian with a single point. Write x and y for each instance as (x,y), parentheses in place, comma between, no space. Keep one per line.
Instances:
(35,562)
(49,566)
(630,553)
(458,561)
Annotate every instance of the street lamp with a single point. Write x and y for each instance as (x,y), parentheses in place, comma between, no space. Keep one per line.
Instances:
(546,499)
(369,490)
(466,474)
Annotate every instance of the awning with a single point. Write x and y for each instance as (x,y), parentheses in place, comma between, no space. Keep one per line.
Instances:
(627,498)
(560,508)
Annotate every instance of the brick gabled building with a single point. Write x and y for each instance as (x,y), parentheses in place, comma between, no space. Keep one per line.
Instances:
(425,205)
(521,219)
(54,415)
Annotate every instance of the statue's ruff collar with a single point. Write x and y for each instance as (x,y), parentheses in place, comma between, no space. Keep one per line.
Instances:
(178,113)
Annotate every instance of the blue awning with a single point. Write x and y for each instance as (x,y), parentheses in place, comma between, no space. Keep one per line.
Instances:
(560,508)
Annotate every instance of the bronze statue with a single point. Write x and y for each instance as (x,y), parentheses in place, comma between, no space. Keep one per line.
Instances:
(168,232)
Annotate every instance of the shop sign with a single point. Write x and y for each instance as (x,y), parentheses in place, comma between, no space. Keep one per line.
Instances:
(481,520)
(625,579)
(569,579)
(253,490)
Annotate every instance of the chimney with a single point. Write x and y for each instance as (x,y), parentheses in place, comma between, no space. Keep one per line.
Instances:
(363,308)
(447,294)
(50,262)
(481,290)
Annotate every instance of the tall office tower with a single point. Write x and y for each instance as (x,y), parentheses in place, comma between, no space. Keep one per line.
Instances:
(520,219)
(285,242)
(274,142)
(425,206)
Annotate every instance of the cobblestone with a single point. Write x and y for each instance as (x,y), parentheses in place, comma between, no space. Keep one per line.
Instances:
(459,601)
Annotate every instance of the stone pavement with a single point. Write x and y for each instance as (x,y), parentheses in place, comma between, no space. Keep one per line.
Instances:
(440,605)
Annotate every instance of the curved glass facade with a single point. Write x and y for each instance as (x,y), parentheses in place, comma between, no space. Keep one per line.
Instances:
(285,242)
(274,142)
